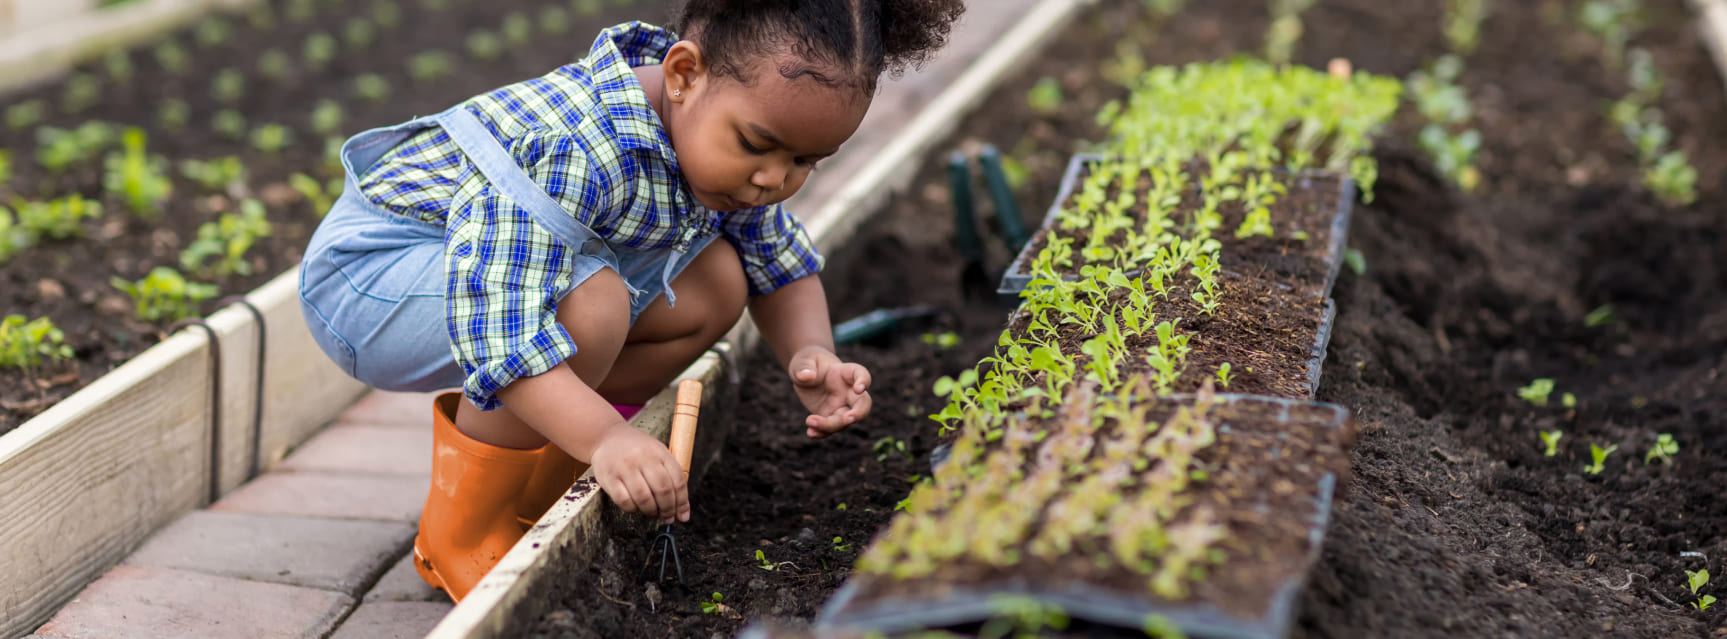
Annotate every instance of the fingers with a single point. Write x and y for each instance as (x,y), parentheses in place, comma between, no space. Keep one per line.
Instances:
(860,408)
(860,377)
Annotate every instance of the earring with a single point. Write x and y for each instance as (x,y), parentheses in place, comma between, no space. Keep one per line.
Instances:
(677,93)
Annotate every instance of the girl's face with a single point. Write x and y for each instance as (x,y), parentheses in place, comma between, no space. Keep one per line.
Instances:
(747,145)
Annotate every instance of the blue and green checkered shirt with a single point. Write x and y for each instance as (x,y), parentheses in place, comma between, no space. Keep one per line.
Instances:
(586,134)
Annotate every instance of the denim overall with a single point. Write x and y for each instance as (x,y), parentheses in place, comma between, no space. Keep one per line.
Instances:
(372,283)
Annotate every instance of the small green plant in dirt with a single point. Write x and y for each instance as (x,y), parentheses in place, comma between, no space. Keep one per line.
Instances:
(164,295)
(1664,449)
(1696,580)
(1602,314)
(1550,439)
(26,114)
(1613,21)
(517,29)
(5,167)
(139,180)
(60,149)
(1673,179)
(484,45)
(1463,23)
(359,33)
(213,31)
(1223,375)
(173,114)
(371,87)
(274,64)
(216,175)
(713,605)
(229,124)
(1598,458)
(555,20)
(82,91)
(326,117)
(57,219)
(1285,30)
(942,341)
(227,239)
(770,566)
(271,139)
(1356,262)
(840,545)
(172,57)
(1453,155)
(321,196)
(1045,97)
(13,238)
(1021,617)
(1568,400)
(25,344)
(387,13)
(228,86)
(428,66)
(1537,391)
(318,50)
(889,446)
(118,64)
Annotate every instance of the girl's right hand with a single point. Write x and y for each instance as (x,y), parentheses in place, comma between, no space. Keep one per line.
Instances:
(641,476)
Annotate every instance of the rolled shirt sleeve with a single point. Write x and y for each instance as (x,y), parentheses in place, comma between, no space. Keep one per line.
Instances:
(773,246)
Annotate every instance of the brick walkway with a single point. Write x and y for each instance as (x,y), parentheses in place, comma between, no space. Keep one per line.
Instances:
(317,545)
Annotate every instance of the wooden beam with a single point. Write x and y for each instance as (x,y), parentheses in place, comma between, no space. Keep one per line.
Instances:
(1712,23)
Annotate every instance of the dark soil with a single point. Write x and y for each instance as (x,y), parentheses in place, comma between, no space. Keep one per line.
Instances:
(67,281)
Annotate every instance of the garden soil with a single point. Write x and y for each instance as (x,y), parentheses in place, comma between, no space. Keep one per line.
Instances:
(1455,524)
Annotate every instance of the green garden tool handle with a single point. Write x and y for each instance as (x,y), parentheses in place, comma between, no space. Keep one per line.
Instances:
(1006,209)
(965,234)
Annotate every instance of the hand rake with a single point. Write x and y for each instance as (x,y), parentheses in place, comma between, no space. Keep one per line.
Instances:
(683,443)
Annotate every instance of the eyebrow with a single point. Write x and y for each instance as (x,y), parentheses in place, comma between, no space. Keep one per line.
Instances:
(763,132)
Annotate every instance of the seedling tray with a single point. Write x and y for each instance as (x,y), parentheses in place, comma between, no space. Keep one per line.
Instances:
(1267,426)
(1019,275)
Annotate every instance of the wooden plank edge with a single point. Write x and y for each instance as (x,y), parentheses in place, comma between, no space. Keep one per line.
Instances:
(1712,24)
(39,52)
(571,531)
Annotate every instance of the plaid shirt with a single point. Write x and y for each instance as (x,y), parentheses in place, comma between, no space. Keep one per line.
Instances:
(586,134)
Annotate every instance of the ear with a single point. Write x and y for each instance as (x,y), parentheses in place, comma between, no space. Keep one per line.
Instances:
(685,69)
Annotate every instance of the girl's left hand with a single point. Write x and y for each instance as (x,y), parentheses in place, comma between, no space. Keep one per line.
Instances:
(835,392)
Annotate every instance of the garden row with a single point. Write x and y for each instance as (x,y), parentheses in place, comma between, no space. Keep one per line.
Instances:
(1094,471)
(154,179)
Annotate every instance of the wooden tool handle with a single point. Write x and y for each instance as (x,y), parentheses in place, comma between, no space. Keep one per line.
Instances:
(683,441)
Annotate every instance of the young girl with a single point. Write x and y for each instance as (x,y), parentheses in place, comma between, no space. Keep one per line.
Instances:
(519,244)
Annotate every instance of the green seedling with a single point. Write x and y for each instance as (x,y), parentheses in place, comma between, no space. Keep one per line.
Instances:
(713,606)
(321,197)
(1281,38)
(26,114)
(1703,602)
(215,176)
(1164,8)
(326,117)
(1673,179)
(1045,97)
(318,50)
(172,57)
(271,139)
(1356,262)
(1223,375)
(1602,314)
(484,45)
(229,123)
(763,563)
(213,31)
(1537,391)
(888,446)
(1664,449)
(517,29)
(387,14)
(301,10)
(1019,616)
(842,506)
(274,64)
(118,64)
(371,87)
(82,92)
(942,341)
(1568,400)
(164,295)
(227,239)
(5,167)
(1550,439)
(26,344)
(140,180)
(1695,580)
(555,20)
(1453,155)
(840,545)
(587,7)
(1598,458)
(173,114)
(359,33)
(228,86)
(428,66)
(57,219)
(1463,23)
(262,18)
(13,238)
(1613,21)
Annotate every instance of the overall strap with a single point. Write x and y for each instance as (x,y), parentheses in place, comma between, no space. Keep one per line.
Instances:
(489,156)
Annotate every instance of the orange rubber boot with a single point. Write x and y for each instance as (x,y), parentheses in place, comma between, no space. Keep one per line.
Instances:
(469,521)
(553,474)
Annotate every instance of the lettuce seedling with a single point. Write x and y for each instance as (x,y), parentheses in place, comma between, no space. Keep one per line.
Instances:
(301,10)
(588,7)
(217,175)
(1568,400)
(1613,21)
(82,92)
(942,341)
(274,64)
(228,239)
(60,149)
(318,50)
(387,14)
(173,114)
(484,45)
(26,344)
(164,295)
(213,31)
(326,117)
(271,139)
(763,563)
(1673,179)
(888,446)
(555,20)
(26,114)
(371,87)
(1463,23)
(713,607)
(518,30)
(1223,375)
(427,66)
(172,57)
(1695,580)
(1356,262)
(118,64)
(1598,457)
(840,545)
(1537,391)
(58,219)
(1045,97)
(229,123)
(1664,449)
(13,238)
(1602,314)
(1550,439)
(141,181)
(315,192)
(359,33)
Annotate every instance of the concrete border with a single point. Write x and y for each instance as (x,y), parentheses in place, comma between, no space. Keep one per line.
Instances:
(34,52)
(1712,23)
(570,532)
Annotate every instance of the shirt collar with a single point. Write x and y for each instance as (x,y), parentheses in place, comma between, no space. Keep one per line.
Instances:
(621,95)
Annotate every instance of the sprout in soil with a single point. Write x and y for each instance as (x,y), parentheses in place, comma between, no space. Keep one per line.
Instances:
(13,238)
(319,49)
(387,14)
(840,545)
(173,114)
(1602,314)
(59,149)
(1045,97)
(172,57)
(1550,439)
(228,86)
(229,123)
(942,341)
(301,10)
(227,239)
(518,30)
(555,20)
(215,176)
(317,194)
(713,606)
(1019,616)
(57,219)
(1673,179)
(763,563)
(5,167)
(271,139)
(1223,375)
(118,64)
(484,45)
(213,31)
(262,18)
(1568,400)
(1463,23)
(82,92)
(25,344)
(1356,262)
(274,64)
(1613,21)
(371,87)
(164,295)
(427,66)
(888,446)
(1695,580)
(1537,391)
(359,33)
(587,7)
(26,114)
(1664,449)
(842,506)
(326,117)
(140,181)
(1598,457)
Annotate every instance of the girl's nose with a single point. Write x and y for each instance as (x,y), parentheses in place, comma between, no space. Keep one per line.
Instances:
(771,177)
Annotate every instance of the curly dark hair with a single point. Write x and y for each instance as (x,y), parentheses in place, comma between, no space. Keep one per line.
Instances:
(838,42)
